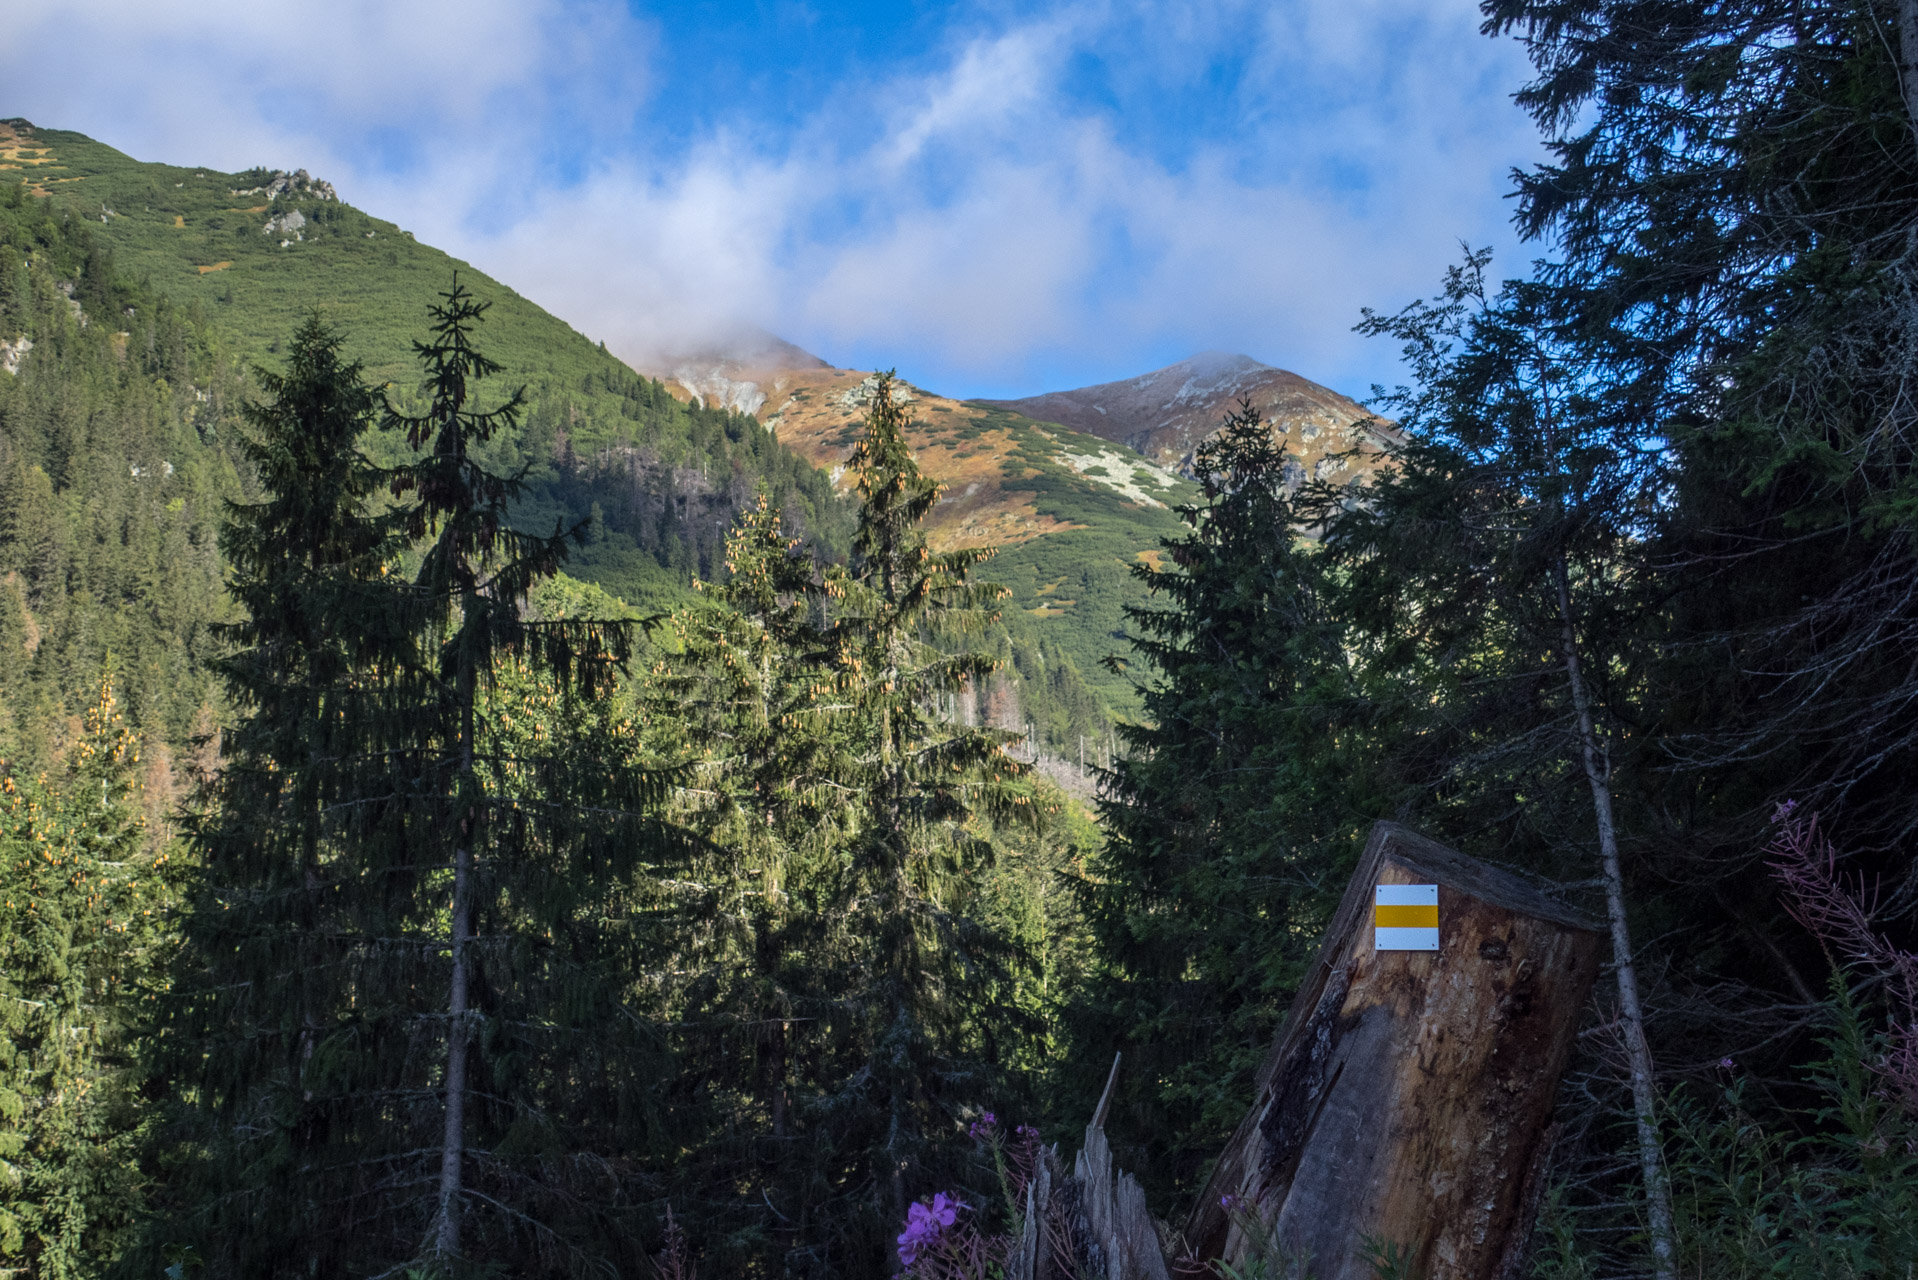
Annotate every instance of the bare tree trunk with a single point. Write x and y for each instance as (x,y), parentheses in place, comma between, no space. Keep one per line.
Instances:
(1908,58)
(1598,769)
(446,1241)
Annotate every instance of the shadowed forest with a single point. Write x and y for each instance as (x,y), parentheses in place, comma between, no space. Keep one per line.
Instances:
(377,898)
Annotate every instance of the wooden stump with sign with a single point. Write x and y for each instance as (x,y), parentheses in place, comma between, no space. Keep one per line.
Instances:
(1406,1102)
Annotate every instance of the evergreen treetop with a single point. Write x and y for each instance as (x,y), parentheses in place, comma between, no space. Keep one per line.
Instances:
(1230,818)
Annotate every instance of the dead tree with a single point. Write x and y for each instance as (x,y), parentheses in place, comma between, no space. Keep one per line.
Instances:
(1406,1103)
(1092,1224)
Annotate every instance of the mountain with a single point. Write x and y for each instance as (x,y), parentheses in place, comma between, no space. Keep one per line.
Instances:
(663,462)
(664,458)
(1070,513)
(248,255)
(1166,414)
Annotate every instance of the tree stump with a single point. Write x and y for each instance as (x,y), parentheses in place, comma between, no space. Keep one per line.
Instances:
(1091,1225)
(1406,1101)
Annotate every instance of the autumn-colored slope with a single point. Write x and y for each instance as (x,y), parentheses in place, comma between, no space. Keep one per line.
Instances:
(991,462)
(1168,413)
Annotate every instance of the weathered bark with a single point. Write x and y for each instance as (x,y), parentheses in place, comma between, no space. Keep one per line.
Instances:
(1091,1224)
(1408,1097)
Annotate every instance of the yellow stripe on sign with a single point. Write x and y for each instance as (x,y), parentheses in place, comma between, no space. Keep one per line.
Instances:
(1405,917)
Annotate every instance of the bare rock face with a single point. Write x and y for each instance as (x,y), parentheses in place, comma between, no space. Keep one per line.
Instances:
(12,353)
(1168,413)
(298,184)
(717,386)
(288,224)
(732,374)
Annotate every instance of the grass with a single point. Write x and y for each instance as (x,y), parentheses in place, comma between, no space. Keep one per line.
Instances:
(666,478)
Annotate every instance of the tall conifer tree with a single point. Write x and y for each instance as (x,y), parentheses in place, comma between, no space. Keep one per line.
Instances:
(929,977)
(1229,819)
(279,1032)
(747,698)
(402,995)
(537,835)
(81,922)
(846,983)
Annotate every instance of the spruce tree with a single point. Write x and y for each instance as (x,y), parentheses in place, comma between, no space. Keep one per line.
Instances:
(282,1035)
(1231,818)
(400,1024)
(852,996)
(746,699)
(82,919)
(930,976)
(538,837)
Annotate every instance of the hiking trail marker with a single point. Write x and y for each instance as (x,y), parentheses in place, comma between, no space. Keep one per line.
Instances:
(1405,918)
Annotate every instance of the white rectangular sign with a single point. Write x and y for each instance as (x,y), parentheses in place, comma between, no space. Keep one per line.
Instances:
(1405,917)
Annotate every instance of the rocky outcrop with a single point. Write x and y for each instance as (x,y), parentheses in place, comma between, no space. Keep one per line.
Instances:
(288,226)
(715,388)
(73,305)
(860,396)
(733,374)
(12,353)
(299,183)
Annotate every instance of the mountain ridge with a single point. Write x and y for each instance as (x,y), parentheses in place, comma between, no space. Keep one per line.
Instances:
(1168,413)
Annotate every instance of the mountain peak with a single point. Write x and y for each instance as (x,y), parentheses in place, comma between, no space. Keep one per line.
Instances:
(1167,413)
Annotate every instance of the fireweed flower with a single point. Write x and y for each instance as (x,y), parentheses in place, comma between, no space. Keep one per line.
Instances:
(925,1223)
(983,1128)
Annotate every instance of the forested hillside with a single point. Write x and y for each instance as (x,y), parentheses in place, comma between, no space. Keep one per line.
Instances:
(662,475)
(115,459)
(252,253)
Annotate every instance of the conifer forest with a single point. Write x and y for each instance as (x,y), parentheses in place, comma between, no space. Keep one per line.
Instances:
(385,894)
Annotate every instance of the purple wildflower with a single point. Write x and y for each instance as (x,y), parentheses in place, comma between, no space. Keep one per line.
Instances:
(1229,1202)
(1842,913)
(1726,1064)
(924,1225)
(984,1128)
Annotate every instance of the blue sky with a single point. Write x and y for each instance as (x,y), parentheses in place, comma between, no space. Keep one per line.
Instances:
(996,198)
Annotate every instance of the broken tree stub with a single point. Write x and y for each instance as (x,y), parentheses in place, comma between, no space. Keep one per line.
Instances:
(1407,1098)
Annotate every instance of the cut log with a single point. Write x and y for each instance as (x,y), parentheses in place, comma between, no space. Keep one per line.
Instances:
(1407,1100)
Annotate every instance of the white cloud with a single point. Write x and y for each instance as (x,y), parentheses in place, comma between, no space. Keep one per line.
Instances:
(356,86)
(1000,224)
(975,217)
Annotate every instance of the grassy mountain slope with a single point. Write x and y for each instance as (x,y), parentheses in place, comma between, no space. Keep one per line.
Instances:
(1069,512)
(1168,413)
(249,254)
